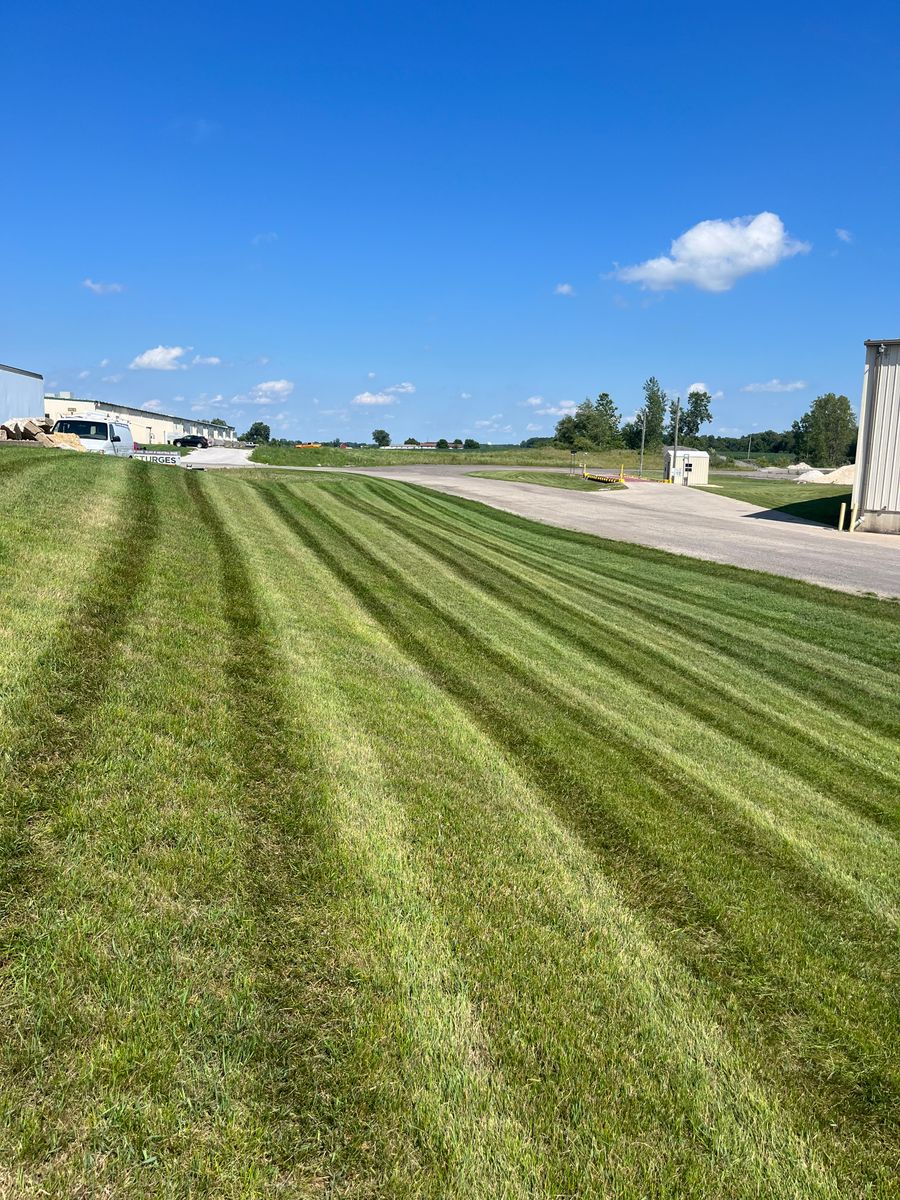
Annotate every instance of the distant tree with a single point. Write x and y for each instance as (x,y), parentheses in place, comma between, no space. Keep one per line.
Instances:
(655,403)
(593,426)
(218,421)
(631,435)
(827,433)
(442,444)
(410,442)
(381,437)
(258,432)
(456,443)
(471,444)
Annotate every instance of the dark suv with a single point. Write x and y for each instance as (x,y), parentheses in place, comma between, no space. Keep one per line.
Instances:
(192,439)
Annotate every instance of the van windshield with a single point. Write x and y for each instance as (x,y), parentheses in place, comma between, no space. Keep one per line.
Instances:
(98,430)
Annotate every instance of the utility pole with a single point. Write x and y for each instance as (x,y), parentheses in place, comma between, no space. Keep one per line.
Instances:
(749,440)
(643,439)
(675,447)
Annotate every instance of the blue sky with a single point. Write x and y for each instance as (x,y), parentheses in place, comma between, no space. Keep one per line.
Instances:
(444,219)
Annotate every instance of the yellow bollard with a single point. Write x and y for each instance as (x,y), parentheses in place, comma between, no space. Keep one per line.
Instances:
(852,527)
(841,516)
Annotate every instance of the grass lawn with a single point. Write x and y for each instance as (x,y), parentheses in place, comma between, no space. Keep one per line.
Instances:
(327,456)
(574,483)
(364,841)
(813,502)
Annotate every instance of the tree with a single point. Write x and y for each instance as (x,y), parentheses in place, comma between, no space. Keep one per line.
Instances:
(827,433)
(442,444)
(690,416)
(471,444)
(411,442)
(219,421)
(655,402)
(631,434)
(258,432)
(381,437)
(593,426)
(457,443)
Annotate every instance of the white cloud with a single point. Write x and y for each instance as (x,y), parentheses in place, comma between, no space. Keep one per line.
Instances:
(532,428)
(371,375)
(844,234)
(565,408)
(402,389)
(84,374)
(564,289)
(490,422)
(264,239)
(113,378)
(729,431)
(373,398)
(777,385)
(714,255)
(160,358)
(200,360)
(102,289)
(533,402)
(465,395)
(104,362)
(152,405)
(701,387)
(263,360)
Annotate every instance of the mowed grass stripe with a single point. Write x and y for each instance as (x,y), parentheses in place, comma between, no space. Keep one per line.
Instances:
(850,764)
(410,1039)
(853,855)
(598,977)
(735,940)
(774,618)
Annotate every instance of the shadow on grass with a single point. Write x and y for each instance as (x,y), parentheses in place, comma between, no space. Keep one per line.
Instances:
(821,510)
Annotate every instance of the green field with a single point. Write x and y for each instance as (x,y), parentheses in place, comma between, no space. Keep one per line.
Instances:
(557,479)
(811,501)
(361,841)
(545,456)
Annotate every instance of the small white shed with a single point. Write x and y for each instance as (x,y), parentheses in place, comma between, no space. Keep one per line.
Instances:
(686,466)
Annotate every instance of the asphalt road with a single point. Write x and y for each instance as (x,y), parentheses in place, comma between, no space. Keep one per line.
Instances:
(679,519)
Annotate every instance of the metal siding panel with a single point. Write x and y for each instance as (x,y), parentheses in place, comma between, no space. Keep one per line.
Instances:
(878,458)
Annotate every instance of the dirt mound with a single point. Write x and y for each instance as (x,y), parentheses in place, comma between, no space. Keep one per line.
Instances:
(813,477)
(842,474)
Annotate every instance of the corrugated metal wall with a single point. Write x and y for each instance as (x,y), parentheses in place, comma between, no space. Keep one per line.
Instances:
(21,394)
(876,490)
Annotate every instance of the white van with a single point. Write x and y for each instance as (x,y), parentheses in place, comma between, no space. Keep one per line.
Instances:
(99,432)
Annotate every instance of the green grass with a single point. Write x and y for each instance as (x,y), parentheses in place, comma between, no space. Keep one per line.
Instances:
(327,456)
(812,502)
(574,483)
(364,841)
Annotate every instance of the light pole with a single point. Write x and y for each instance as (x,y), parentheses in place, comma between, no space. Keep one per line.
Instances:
(643,439)
(749,440)
(675,447)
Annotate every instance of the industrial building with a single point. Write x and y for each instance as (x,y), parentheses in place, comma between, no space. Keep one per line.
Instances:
(147,426)
(875,504)
(686,466)
(21,393)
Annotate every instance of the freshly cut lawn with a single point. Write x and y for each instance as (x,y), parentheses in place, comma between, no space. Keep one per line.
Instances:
(813,502)
(361,841)
(574,483)
(328,456)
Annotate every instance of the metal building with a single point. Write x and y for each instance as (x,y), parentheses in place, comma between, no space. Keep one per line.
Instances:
(875,505)
(21,394)
(686,466)
(148,426)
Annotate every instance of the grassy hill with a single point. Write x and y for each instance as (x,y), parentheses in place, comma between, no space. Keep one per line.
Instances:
(362,841)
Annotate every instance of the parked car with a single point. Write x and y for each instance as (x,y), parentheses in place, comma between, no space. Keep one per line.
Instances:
(100,433)
(192,439)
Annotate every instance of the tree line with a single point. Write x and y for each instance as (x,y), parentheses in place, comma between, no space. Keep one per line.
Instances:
(825,435)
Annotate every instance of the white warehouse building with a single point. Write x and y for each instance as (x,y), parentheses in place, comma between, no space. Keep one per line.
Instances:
(875,504)
(21,393)
(147,426)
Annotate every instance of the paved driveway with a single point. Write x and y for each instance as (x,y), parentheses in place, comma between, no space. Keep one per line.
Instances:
(685,521)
